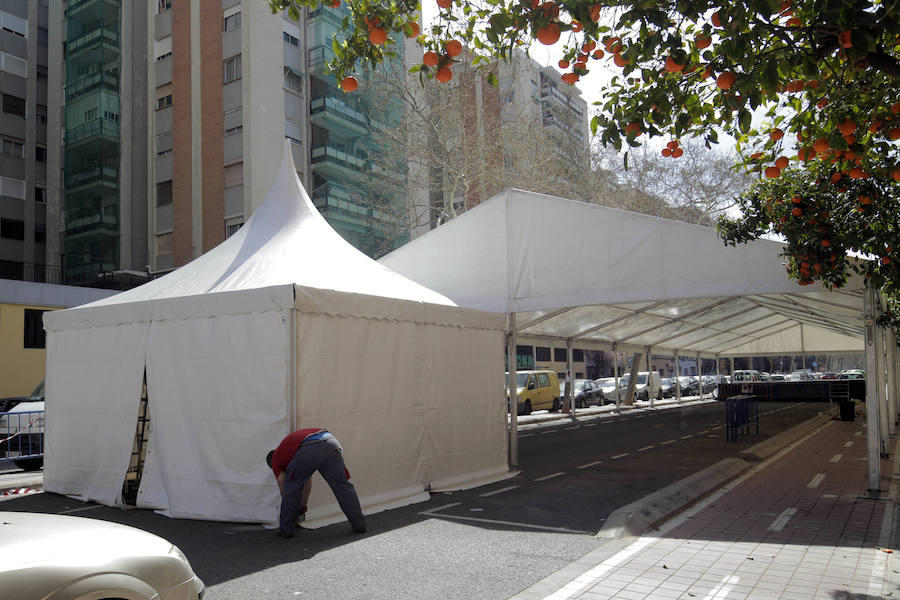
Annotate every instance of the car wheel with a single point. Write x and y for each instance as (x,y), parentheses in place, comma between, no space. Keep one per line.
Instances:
(527,409)
(659,395)
(29,464)
(555,406)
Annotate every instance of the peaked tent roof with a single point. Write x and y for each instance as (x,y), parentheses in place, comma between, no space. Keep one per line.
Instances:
(286,242)
(602,275)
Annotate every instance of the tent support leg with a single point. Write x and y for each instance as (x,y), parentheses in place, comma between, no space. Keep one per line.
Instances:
(513,402)
(570,388)
(873,439)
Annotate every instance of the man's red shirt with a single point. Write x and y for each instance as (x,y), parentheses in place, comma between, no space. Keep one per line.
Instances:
(288,447)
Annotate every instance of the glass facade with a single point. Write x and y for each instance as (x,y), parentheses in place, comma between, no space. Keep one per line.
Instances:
(355,185)
(91,147)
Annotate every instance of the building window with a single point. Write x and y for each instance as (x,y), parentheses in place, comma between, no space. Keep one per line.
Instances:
(34,329)
(163,56)
(163,5)
(292,81)
(13,24)
(40,234)
(234,130)
(232,22)
(290,39)
(40,195)
(164,102)
(232,229)
(13,105)
(12,229)
(233,68)
(559,354)
(42,73)
(577,355)
(234,175)
(13,148)
(164,193)
(42,35)
(40,154)
(40,113)
(541,353)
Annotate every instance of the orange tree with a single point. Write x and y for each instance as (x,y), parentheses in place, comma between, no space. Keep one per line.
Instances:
(808,89)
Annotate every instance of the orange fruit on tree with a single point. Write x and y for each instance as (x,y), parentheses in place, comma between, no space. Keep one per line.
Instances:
(613,44)
(549,35)
(776,134)
(431,59)
(620,60)
(454,47)
(772,172)
(864,200)
(444,74)
(875,126)
(847,127)
(598,54)
(672,65)
(826,243)
(563,64)
(576,26)
(715,19)
(445,4)
(794,22)
(412,29)
(588,47)
(726,80)
(836,177)
(377,36)
(894,133)
(349,84)
(595,12)
(797,212)
(850,139)
(672,144)
(896,174)
(857,173)
(781,162)
(634,127)
(895,108)
(667,152)
(886,260)
(844,39)
(676,152)
(570,78)
(821,145)
(702,41)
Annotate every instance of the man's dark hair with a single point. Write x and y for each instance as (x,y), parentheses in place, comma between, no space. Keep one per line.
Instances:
(269,458)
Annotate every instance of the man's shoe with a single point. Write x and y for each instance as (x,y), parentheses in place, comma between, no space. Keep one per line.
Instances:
(285,534)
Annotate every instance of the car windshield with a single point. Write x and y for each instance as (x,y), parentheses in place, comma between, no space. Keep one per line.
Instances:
(521,379)
(642,379)
(607,382)
(684,380)
(666,381)
(38,394)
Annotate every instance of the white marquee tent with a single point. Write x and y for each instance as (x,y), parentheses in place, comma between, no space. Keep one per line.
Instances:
(284,325)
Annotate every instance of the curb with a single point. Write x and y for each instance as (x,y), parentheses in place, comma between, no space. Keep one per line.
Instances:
(641,515)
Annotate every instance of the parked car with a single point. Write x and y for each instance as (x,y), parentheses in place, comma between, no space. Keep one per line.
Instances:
(646,386)
(60,556)
(800,375)
(22,431)
(777,377)
(535,390)
(586,393)
(688,385)
(746,376)
(608,389)
(667,386)
(852,374)
(829,375)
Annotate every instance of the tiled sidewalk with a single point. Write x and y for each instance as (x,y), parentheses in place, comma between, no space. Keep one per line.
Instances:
(798,527)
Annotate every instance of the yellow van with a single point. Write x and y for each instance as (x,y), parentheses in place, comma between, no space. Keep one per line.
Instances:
(536,390)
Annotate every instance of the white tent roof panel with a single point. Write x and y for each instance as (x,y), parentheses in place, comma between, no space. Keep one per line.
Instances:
(600,275)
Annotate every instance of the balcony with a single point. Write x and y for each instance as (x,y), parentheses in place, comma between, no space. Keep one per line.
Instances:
(22,271)
(334,163)
(89,177)
(83,85)
(317,56)
(333,199)
(333,113)
(103,129)
(98,38)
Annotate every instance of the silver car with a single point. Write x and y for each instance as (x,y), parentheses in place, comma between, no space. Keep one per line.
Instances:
(57,556)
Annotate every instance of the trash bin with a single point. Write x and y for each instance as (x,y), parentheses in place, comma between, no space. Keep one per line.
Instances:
(847,409)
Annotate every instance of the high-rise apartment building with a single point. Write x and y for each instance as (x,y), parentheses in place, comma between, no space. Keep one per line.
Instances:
(23,141)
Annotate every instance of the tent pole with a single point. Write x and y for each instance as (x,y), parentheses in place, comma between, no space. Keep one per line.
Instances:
(699,376)
(616,370)
(512,388)
(873,439)
(677,375)
(883,416)
(892,378)
(649,378)
(292,384)
(570,389)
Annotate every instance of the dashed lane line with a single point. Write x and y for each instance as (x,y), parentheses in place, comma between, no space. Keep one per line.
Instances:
(645,448)
(684,437)
(589,465)
(836,458)
(815,481)
(619,455)
(782,519)
(849,444)
(551,476)
(667,442)
(500,491)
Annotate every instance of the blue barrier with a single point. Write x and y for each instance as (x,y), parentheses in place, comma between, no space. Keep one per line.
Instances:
(741,413)
(22,437)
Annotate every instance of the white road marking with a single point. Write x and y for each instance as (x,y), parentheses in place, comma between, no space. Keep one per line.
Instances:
(571,428)
(667,442)
(444,507)
(74,510)
(645,448)
(592,575)
(836,458)
(782,519)
(551,476)
(509,523)
(590,425)
(550,431)
(849,444)
(815,481)
(619,455)
(500,491)
(590,464)
(684,437)
(525,435)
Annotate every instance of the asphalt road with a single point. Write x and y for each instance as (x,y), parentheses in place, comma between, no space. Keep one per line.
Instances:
(490,542)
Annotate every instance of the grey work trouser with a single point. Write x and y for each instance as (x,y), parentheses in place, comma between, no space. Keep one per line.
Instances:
(325,457)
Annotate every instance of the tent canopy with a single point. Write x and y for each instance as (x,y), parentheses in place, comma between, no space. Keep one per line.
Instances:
(283,325)
(599,276)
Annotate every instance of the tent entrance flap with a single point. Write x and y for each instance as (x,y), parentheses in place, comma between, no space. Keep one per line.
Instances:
(138,449)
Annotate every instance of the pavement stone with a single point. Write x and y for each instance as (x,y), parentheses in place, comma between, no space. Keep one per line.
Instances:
(798,525)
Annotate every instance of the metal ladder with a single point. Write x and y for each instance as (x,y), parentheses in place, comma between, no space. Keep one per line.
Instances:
(138,450)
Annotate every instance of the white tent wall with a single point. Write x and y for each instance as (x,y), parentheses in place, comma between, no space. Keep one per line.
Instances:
(218,390)
(93,394)
(416,405)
